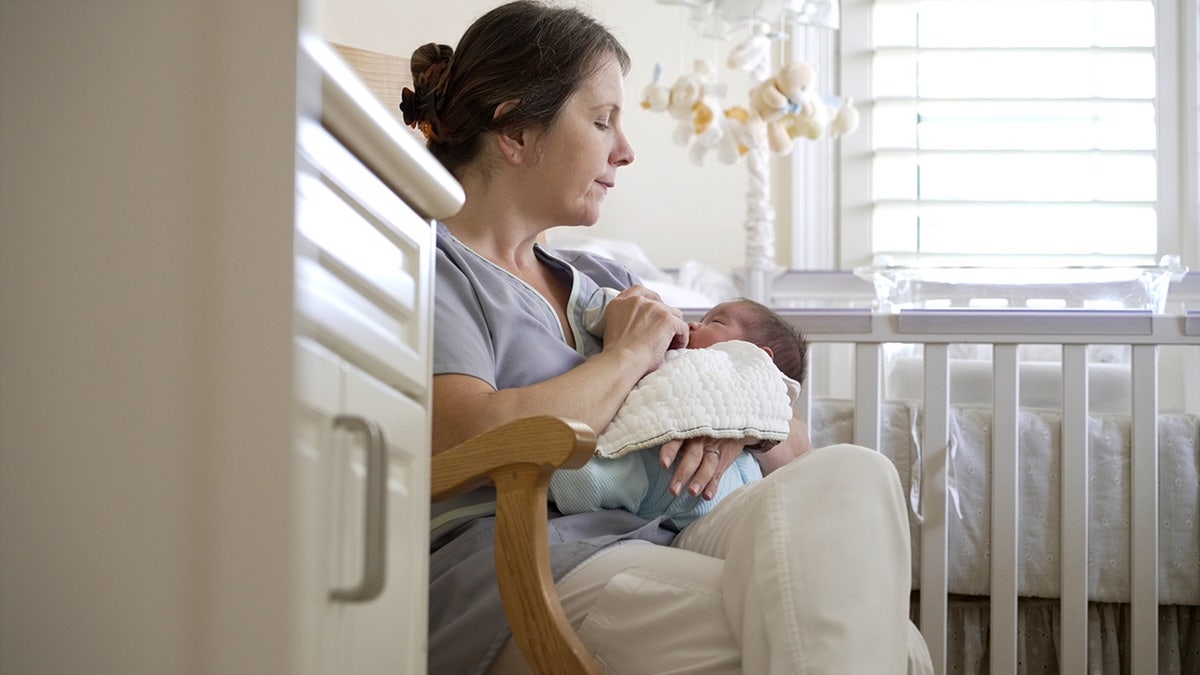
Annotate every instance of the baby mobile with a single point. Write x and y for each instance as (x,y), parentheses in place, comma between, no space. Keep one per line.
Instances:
(781,107)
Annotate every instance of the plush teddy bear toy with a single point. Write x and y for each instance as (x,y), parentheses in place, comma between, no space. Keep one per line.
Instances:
(811,121)
(656,96)
(846,121)
(739,135)
(787,93)
(694,106)
(692,101)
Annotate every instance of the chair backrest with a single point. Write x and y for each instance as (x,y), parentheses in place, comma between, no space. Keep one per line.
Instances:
(386,75)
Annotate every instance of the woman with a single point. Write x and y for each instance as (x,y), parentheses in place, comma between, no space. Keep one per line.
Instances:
(806,571)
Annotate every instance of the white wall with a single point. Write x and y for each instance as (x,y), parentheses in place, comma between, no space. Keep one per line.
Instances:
(675,210)
(146,191)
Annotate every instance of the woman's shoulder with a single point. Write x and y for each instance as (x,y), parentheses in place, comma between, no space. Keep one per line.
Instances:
(605,271)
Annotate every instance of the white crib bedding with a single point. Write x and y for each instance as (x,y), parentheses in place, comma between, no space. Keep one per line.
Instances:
(1039,531)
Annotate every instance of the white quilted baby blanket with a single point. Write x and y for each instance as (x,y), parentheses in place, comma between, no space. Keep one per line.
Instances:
(729,390)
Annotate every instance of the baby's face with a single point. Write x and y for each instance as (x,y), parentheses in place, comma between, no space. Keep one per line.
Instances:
(722,323)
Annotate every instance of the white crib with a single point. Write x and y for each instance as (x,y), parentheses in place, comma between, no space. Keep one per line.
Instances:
(934,333)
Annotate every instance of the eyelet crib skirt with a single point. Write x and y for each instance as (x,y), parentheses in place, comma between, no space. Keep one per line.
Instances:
(969,486)
(968,623)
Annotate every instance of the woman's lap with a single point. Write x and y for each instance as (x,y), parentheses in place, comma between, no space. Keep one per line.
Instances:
(645,608)
(816,553)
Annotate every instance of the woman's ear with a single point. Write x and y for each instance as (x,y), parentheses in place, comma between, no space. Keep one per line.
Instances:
(512,143)
(512,147)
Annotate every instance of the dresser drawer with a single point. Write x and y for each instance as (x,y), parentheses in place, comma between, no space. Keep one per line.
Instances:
(363,265)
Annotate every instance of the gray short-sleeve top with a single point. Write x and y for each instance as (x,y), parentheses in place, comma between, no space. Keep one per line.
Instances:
(491,325)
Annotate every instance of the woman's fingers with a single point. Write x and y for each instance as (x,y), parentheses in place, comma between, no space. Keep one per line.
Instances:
(667,452)
(674,316)
(729,450)
(688,464)
(638,316)
(699,463)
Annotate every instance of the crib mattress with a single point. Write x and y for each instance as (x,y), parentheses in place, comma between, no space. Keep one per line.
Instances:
(1039,506)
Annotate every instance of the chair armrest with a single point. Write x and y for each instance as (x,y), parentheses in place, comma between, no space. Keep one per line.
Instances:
(543,441)
(519,458)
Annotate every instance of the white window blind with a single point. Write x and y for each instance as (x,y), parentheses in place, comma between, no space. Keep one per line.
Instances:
(1003,128)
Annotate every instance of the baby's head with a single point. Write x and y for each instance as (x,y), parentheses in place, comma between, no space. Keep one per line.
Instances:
(747,320)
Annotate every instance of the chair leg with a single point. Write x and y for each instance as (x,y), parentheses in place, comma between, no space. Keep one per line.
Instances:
(545,637)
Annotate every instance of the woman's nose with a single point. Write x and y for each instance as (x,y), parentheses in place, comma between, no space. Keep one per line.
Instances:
(623,153)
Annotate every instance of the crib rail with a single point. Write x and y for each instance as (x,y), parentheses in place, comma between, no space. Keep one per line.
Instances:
(1074,330)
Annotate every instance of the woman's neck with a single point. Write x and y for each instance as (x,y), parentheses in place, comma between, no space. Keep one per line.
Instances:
(495,229)
(493,225)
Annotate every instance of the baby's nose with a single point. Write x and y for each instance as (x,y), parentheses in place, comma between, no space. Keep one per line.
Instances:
(692,325)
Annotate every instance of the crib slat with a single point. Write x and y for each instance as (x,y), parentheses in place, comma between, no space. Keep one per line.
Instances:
(1143,539)
(1005,483)
(804,402)
(1073,568)
(867,394)
(935,439)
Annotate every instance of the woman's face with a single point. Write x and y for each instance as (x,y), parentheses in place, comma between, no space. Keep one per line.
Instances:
(574,162)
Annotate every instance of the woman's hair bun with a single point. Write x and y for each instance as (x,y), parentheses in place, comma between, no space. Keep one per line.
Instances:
(429,66)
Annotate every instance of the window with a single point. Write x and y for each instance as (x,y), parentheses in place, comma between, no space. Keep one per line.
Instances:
(1001,128)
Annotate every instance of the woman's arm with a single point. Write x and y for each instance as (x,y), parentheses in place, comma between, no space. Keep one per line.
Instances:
(796,444)
(640,329)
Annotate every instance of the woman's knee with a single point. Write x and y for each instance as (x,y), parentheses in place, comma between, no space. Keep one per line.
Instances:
(848,462)
(844,475)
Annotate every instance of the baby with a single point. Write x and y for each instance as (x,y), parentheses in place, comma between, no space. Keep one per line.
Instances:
(636,481)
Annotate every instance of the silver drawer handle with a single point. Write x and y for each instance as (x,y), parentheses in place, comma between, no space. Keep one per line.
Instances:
(375,534)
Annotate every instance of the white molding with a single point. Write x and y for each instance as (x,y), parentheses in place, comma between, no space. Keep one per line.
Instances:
(854,233)
(1189,129)
(814,165)
(1168,153)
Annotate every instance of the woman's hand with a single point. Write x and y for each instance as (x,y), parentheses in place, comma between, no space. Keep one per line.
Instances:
(638,320)
(700,462)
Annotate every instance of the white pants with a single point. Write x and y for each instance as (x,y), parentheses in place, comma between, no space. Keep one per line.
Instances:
(806,571)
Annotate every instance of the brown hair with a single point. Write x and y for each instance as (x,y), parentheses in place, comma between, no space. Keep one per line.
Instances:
(522,51)
(789,347)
